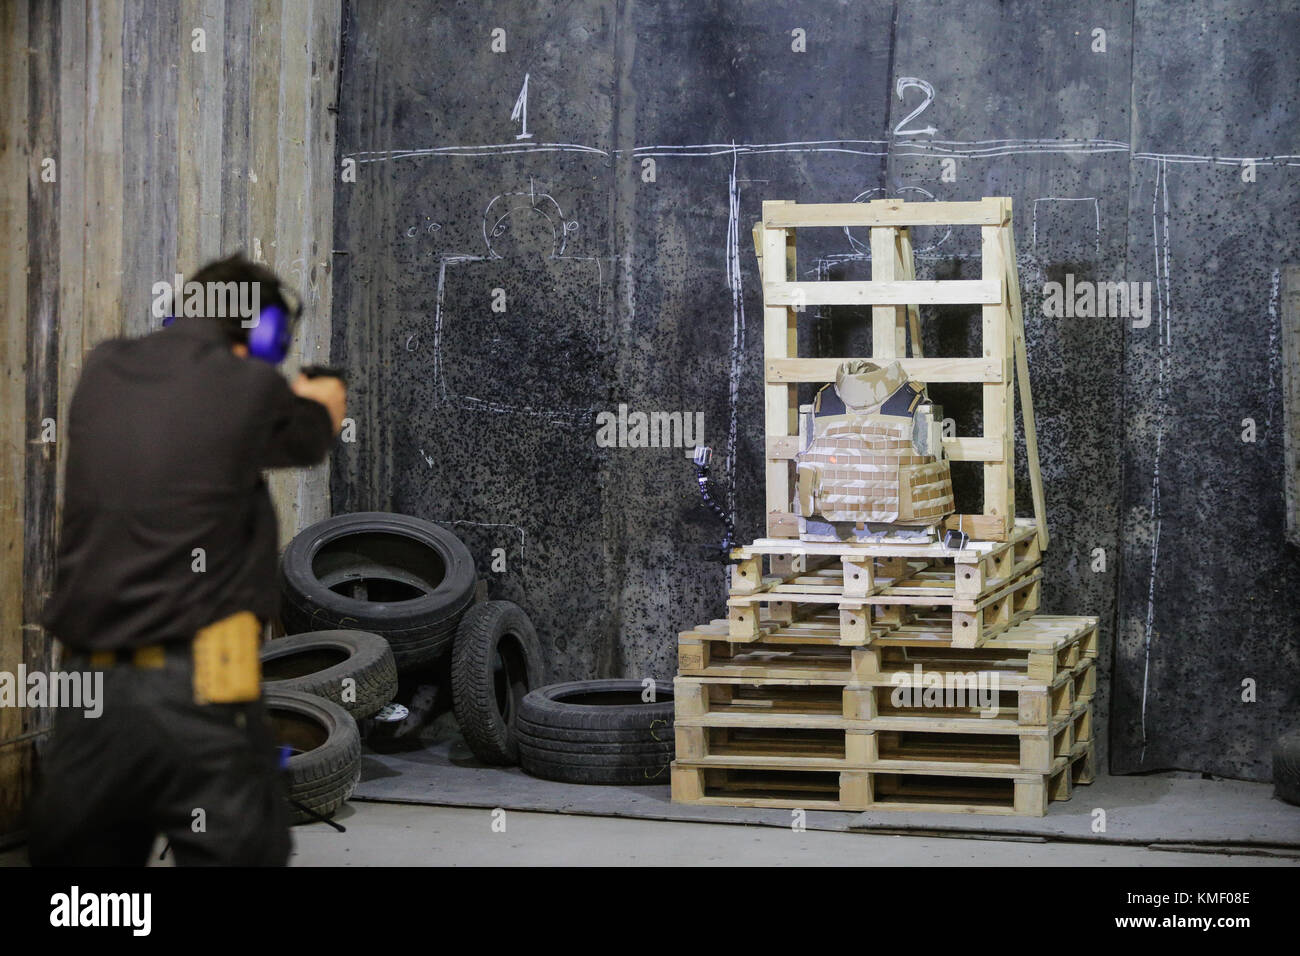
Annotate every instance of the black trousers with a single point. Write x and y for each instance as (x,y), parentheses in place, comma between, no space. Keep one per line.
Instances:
(205,776)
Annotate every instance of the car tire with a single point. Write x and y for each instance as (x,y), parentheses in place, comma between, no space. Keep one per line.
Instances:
(324,764)
(1286,767)
(596,732)
(496,661)
(403,578)
(322,662)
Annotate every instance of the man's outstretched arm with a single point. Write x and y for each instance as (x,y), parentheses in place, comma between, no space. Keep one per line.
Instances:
(306,417)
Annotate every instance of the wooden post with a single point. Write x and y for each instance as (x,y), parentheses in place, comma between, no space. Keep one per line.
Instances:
(779,342)
(907,270)
(888,331)
(999,474)
(1022,375)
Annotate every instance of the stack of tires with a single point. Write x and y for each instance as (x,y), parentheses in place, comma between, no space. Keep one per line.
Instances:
(597,732)
(593,732)
(370,596)
(366,596)
(405,579)
(315,688)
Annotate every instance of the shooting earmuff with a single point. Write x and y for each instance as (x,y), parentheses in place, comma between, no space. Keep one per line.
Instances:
(271,335)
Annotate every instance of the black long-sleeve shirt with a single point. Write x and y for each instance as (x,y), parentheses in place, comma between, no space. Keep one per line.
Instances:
(167,438)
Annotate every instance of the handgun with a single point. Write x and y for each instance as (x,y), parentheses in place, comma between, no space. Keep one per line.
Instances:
(322,371)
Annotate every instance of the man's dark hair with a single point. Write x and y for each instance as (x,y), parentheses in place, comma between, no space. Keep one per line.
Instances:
(237,268)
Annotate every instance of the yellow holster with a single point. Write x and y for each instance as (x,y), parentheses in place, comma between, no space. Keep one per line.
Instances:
(227,665)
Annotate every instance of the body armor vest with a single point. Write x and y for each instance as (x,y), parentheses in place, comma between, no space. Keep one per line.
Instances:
(881,458)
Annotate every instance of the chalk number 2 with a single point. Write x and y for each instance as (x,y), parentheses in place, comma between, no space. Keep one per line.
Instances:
(911,81)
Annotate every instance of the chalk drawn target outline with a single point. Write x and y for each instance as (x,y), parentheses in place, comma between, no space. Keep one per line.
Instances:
(559,234)
(865,250)
(535,202)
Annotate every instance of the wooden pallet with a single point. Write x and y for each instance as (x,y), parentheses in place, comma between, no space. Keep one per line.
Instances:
(924,602)
(830,788)
(860,570)
(807,716)
(921,698)
(934,749)
(987,701)
(707,652)
(894,295)
(1040,648)
(1020,795)
(747,787)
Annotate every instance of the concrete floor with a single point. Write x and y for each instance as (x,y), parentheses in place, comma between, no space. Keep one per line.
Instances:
(390,834)
(1180,810)
(395,834)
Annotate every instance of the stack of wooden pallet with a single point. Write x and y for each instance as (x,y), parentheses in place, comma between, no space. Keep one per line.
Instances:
(896,673)
(890,676)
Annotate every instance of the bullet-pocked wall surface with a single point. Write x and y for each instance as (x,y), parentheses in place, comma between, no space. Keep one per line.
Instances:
(548,232)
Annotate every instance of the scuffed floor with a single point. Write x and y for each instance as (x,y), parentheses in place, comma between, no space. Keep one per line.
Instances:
(386,834)
(1171,809)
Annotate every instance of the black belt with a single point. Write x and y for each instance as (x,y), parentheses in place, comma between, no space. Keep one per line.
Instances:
(147,657)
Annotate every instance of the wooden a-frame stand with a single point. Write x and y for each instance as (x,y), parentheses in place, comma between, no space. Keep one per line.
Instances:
(894,294)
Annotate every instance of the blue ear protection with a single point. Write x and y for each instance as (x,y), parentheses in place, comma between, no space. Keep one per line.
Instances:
(271,335)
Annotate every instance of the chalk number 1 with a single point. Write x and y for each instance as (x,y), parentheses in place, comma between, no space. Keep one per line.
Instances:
(520,113)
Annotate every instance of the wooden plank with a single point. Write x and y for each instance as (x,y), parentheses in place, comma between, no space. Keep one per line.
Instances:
(821,370)
(150,162)
(199,133)
(293,214)
(303,211)
(264,117)
(15,759)
(323,53)
(999,422)
(268,125)
(888,331)
(102,290)
(235,166)
(906,269)
(41,384)
(938,768)
(73,74)
(1022,376)
(884,212)
(896,292)
(780,400)
(211,119)
(973,449)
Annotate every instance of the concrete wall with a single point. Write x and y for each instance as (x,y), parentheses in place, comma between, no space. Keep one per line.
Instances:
(164,156)
(1122,154)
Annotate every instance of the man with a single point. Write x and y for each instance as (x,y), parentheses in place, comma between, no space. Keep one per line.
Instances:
(166,571)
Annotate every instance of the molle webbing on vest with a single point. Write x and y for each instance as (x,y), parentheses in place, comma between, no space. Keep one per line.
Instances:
(864,466)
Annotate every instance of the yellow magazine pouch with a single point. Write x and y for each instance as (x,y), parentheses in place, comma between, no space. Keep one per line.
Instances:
(227,665)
